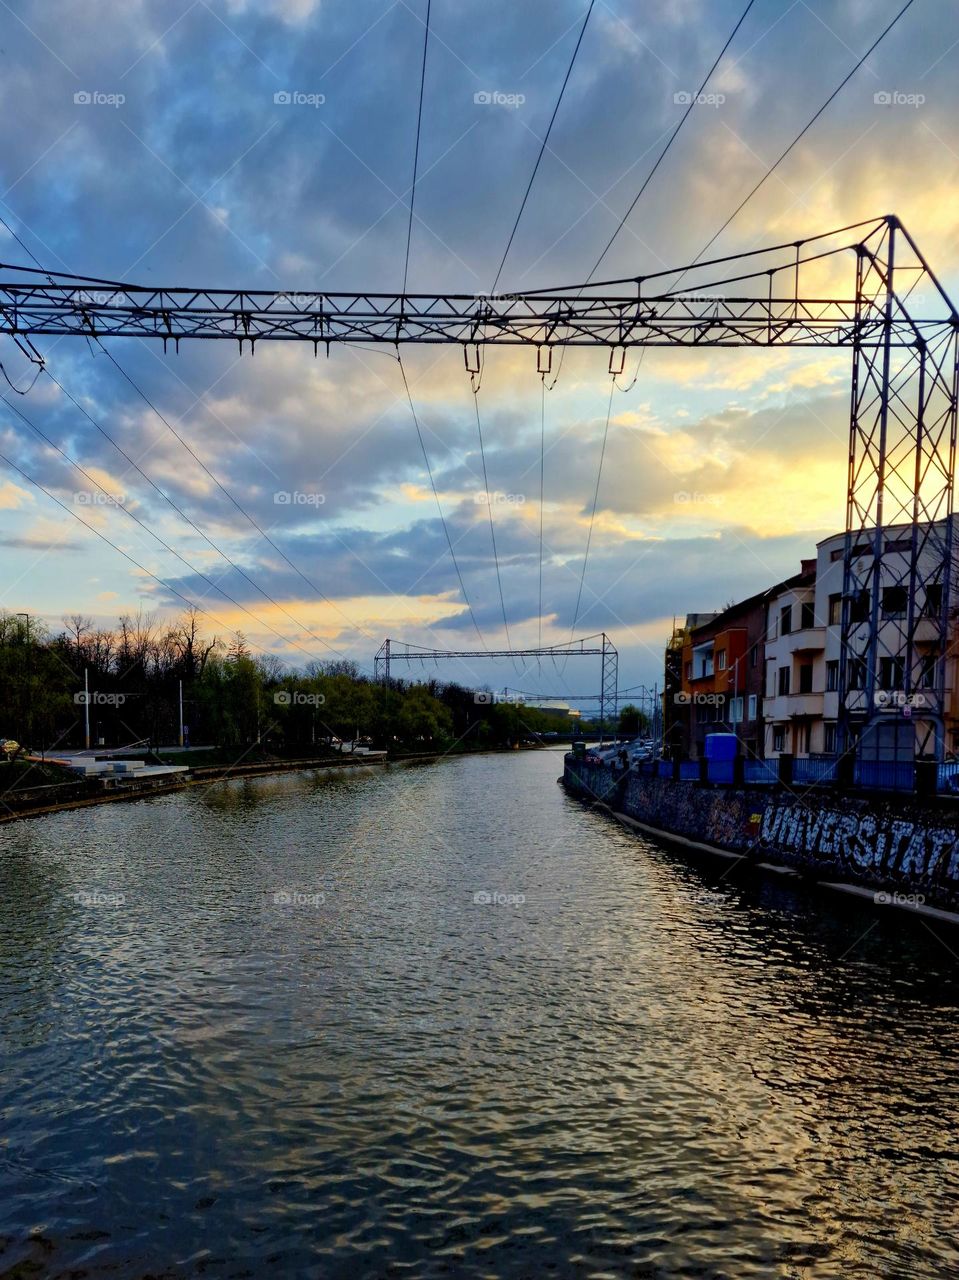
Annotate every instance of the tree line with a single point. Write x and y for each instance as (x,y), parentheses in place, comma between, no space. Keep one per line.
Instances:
(129,680)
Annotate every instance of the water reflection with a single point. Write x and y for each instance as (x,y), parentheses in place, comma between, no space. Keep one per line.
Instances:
(444,1019)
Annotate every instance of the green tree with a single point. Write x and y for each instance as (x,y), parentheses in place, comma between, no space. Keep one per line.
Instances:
(632,721)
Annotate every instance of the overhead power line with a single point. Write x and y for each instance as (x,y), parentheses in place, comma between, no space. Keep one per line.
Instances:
(592,515)
(671,139)
(119,550)
(162,541)
(416,152)
(489,508)
(175,507)
(802,132)
(542,150)
(439,505)
(227,494)
(167,499)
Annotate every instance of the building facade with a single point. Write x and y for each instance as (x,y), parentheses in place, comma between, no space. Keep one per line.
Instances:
(769,668)
(803,657)
(722,679)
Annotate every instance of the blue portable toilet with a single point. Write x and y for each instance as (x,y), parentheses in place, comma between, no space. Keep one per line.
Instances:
(722,746)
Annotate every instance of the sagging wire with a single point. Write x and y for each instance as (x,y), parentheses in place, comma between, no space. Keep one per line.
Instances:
(21,392)
(542,477)
(489,509)
(639,365)
(416,153)
(592,517)
(439,505)
(543,145)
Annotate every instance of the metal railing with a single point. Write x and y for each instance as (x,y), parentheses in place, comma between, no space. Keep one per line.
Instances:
(814,770)
(885,775)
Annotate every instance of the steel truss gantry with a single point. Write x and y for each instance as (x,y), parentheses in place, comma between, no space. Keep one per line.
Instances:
(598,645)
(866,287)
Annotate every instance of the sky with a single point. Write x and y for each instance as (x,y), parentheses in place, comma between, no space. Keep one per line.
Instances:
(270,145)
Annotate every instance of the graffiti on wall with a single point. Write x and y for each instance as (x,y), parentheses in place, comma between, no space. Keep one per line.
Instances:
(884,844)
(897,841)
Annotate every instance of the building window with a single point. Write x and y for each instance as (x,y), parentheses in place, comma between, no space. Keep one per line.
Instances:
(689,671)
(829,737)
(805,737)
(720,659)
(753,706)
(835,610)
(805,677)
(785,619)
(857,673)
(927,672)
(808,615)
(754,656)
(736,711)
(779,738)
(891,673)
(932,605)
(859,607)
(832,677)
(895,602)
(783,682)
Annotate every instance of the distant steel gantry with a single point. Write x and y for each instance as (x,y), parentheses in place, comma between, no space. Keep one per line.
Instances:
(866,287)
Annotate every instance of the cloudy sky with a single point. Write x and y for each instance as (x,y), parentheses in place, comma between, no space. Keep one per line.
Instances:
(145,142)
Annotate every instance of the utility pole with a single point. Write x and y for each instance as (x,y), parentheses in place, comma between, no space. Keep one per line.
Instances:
(181,713)
(24,727)
(86,707)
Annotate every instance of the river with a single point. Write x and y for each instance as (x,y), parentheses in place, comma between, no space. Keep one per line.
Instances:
(442,1020)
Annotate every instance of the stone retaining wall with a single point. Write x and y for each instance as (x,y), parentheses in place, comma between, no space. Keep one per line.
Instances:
(887,842)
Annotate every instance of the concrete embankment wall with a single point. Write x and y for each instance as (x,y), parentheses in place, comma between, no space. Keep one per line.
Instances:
(878,841)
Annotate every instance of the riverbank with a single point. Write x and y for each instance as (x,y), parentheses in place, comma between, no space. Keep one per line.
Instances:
(35,802)
(895,849)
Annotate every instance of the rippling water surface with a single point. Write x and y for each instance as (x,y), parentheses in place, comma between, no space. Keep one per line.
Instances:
(620,1065)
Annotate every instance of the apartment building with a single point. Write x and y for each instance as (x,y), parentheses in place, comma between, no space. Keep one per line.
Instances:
(802,660)
(768,668)
(795,670)
(722,678)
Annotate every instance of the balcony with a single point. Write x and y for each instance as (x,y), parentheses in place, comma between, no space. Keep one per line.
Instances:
(792,706)
(808,640)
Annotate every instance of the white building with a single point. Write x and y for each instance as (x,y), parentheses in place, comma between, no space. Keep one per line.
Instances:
(803,642)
